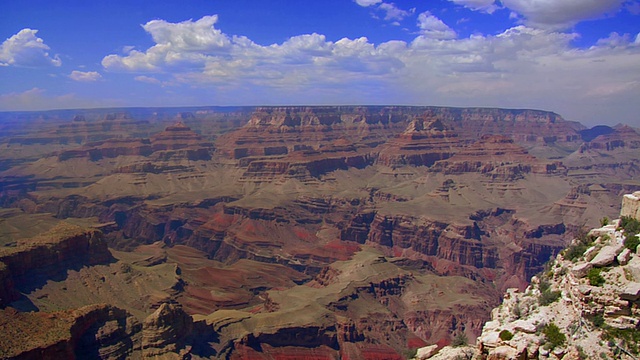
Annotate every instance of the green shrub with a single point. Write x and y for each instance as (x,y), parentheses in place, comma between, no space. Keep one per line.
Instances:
(631,242)
(595,279)
(629,225)
(604,221)
(630,337)
(582,242)
(506,335)
(573,252)
(459,340)
(553,335)
(548,297)
(598,320)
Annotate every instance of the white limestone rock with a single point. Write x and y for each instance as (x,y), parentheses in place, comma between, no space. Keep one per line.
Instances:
(633,268)
(631,292)
(605,230)
(449,352)
(590,253)
(503,353)
(631,205)
(526,326)
(490,339)
(426,352)
(607,255)
(581,270)
(624,257)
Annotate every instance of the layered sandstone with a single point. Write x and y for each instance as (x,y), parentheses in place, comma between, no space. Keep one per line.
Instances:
(425,141)
(36,259)
(177,141)
(498,157)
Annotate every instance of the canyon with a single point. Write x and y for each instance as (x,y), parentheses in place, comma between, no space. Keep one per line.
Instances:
(316,232)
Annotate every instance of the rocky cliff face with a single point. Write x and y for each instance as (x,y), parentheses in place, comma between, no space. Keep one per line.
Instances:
(425,141)
(45,256)
(175,142)
(278,141)
(585,305)
(92,332)
(497,157)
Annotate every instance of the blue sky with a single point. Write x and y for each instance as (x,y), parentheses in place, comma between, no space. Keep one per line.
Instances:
(580,58)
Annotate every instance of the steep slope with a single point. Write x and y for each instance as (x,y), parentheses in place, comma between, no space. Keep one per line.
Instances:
(586,305)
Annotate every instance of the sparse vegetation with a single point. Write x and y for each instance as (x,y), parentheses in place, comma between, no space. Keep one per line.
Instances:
(604,221)
(598,321)
(517,311)
(582,242)
(459,340)
(595,279)
(506,335)
(630,337)
(629,225)
(631,242)
(553,335)
(581,353)
(410,353)
(547,296)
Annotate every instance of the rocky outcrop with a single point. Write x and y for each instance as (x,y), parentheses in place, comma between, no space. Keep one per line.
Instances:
(621,137)
(573,311)
(91,332)
(34,260)
(110,148)
(174,143)
(425,141)
(631,205)
(497,157)
(169,333)
(584,306)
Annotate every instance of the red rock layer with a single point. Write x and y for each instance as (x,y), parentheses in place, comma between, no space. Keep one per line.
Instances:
(497,157)
(623,137)
(175,142)
(425,141)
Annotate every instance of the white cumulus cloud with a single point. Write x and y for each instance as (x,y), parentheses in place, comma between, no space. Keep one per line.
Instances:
(393,12)
(366,3)
(28,50)
(487,6)
(562,13)
(523,66)
(85,76)
(432,27)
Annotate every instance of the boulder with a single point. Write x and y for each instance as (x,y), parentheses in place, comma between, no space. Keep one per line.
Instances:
(605,230)
(524,326)
(590,253)
(631,292)
(624,256)
(504,353)
(449,352)
(607,255)
(631,205)
(491,339)
(633,268)
(581,270)
(426,352)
